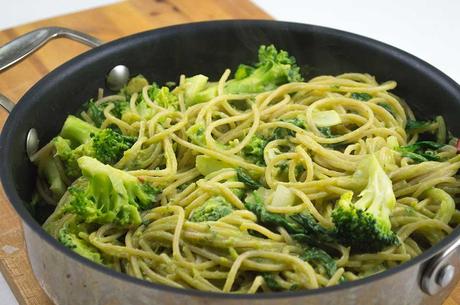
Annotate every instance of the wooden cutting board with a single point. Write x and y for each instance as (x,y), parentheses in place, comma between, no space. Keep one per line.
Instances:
(106,23)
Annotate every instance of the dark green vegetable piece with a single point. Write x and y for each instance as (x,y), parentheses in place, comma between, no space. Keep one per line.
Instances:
(312,229)
(213,209)
(96,112)
(243,176)
(254,150)
(321,257)
(283,133)
(326,131)
(388,108)
(271,282)
(361,96)
(302,227)
(255,204)
(421,151)
(109,195)
(412,125)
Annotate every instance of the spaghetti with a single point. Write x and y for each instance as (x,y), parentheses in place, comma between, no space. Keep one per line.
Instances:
(317,164)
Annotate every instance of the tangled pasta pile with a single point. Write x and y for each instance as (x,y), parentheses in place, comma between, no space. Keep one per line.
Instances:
(251,184)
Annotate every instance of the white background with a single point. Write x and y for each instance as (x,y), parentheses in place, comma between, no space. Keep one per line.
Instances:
(426,28)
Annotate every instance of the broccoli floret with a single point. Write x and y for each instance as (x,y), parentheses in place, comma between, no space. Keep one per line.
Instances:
(79,138)
(109,145)
(196,134)
(135,85)
(365,225)
(110,195)
(254,150)
(273,69)
(213,209)
(70,156)
(163,97)
(79,245)
(77,131)
(198,90)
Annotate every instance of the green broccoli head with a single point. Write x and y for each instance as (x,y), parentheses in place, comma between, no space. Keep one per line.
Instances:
(163,97)
(79,245)
(273,69)
(197,90)
(110,195)
(69,156)
(365,225)
(254,150)
(109,145)
(213,209)
(196,134)
(79,138)
(135,85)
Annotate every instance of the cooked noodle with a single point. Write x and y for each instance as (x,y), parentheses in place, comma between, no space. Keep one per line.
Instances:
(233,253)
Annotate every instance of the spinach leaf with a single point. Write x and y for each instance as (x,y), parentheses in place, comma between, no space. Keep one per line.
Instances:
(326,131)
(421,151)
(271,282)
(361,96)
(321,257)
(243,176)
(388,108)
(302,227)
(414,124)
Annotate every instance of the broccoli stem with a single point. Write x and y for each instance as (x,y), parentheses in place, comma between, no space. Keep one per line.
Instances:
(77,131)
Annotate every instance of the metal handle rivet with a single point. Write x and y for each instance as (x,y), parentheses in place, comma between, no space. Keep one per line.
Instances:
(32,142)
(117,77)
(445,276)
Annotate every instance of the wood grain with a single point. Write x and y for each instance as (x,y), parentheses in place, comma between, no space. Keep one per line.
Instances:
(106,23)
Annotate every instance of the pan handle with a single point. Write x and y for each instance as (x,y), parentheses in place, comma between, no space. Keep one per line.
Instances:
(21,47)
(16,50)
(6,103)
